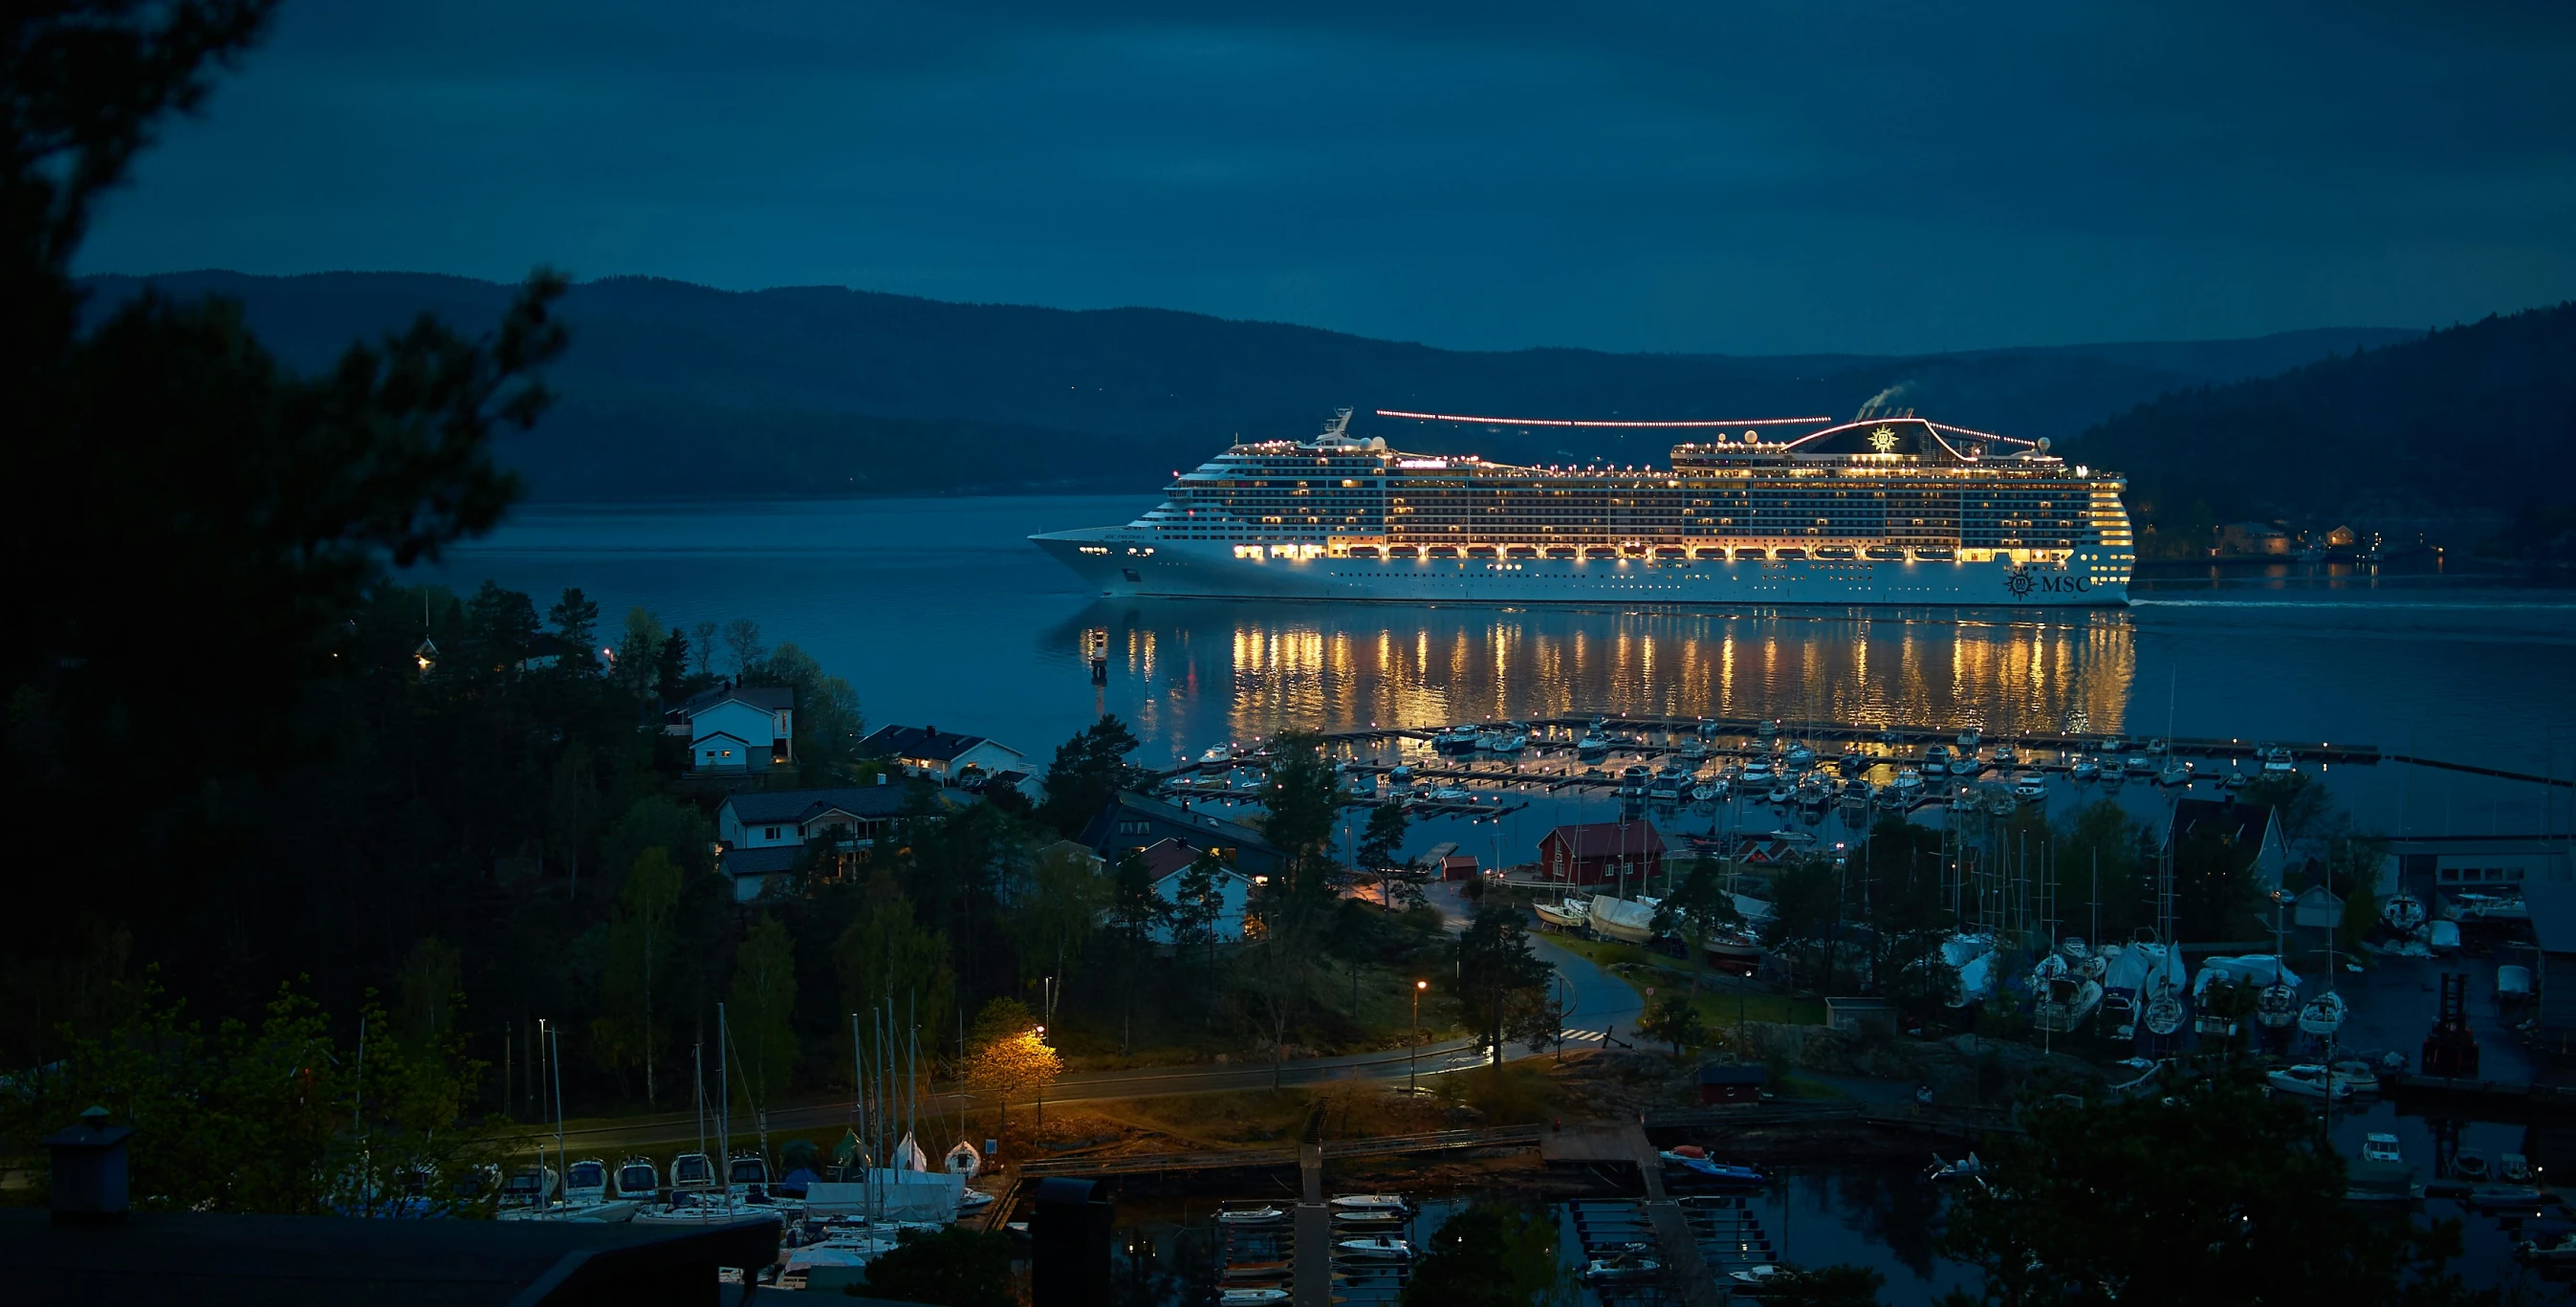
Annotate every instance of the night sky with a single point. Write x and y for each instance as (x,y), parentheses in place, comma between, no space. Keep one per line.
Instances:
(1736,177)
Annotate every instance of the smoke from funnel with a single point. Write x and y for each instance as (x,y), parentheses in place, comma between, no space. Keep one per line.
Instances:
(1883,397)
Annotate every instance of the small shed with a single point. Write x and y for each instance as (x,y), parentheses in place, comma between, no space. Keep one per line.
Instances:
(2318,908)
(1854,1015)
(1730,1082)
(1458,866)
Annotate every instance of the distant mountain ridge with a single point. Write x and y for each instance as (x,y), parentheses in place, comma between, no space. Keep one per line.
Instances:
(678,391)
(2451,432)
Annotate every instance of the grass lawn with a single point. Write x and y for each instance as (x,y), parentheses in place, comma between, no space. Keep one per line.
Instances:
(1719,992)
(1793,1085)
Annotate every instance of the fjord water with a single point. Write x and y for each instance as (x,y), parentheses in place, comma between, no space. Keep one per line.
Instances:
(940,613)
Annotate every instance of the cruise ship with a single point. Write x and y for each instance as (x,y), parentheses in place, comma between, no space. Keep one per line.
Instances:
(1886,509)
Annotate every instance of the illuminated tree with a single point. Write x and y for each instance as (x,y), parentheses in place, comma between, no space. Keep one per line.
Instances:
(1009,1054)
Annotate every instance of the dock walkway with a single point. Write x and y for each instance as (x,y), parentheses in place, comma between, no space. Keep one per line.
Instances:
(1314,1252)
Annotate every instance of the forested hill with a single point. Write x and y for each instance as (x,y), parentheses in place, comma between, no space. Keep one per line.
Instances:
(680,391)
(2462,424)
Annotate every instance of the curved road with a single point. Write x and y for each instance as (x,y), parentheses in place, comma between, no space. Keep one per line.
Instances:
(1600,1001)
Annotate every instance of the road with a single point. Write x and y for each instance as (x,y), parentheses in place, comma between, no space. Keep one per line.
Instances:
(1600,1003)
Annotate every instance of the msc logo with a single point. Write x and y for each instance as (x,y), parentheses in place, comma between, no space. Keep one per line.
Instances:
(2022,583)
(1883,440)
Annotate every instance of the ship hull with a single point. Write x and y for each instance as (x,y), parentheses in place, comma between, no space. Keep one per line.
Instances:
(1128,562)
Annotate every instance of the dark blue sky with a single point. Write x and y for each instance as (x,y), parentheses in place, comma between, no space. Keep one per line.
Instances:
(1738,177)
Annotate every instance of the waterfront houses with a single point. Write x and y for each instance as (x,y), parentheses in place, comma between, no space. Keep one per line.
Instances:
(1132,823)
(760,835)
(736,728)
(947,757)
(1600,852)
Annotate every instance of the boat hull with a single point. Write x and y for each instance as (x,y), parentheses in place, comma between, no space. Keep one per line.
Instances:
(1132,562)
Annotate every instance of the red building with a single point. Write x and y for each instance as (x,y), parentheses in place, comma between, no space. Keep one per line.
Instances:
(1601,851)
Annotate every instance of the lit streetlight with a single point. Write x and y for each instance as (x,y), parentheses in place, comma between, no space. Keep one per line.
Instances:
(1413,1050)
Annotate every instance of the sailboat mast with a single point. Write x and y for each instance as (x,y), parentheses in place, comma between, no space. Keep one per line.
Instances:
(724,1111)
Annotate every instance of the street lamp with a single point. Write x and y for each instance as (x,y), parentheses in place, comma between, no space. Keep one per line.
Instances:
(1413,1048)
(1042,1088)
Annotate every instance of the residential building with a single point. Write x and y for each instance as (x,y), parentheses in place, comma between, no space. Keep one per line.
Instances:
(2252,538)
(1132,823)
(1602,852)
(1168,861)
(760,835)
(946,757)
(737,728)
(2242,825)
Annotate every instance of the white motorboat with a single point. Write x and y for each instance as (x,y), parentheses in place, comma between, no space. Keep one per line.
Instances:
(1220,756)
(1632,780)
(2085,769)
(1756,775)
(1592,746)
(1249,1295)
(1970,738)
(2030,787)
(2324,1014)
(1965,1168)
(1623,1267)
(1936,760)
(2382,1174)
(1908,783)
(2360,1075)
(2309,1080)
(1249,1212)
(636,1178)
(1376,1202)
(1455,739)
(1800,757)
(586,1181)
(692,1173)
(1375,1247)
(2276,760)
(971,1201)
(1758,1277)
(2174,772)
(529,1187)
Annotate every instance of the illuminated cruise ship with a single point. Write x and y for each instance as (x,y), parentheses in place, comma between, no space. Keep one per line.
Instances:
(1891,509)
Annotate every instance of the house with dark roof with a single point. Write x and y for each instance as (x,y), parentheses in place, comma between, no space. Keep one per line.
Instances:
(943,756)
(761,834)
(1592,853)
(1171,859)
(2241,825)
(1132,823)
(736,728)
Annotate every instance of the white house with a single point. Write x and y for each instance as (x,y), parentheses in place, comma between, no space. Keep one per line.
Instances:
(735,728)
(1169,861)
(944,757)
(760,835)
